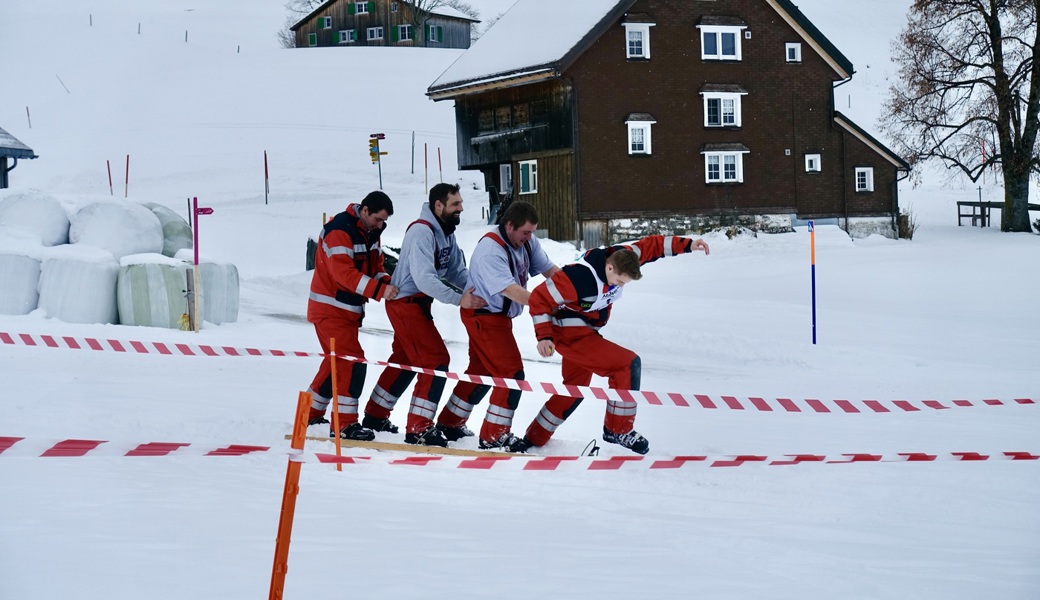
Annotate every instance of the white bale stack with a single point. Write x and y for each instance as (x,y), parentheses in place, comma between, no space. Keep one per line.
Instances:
(19,271)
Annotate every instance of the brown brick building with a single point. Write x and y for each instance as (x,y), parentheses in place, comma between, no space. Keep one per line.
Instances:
(618,118)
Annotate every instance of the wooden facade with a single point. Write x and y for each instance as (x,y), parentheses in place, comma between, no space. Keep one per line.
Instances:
(380,23)
(796,155)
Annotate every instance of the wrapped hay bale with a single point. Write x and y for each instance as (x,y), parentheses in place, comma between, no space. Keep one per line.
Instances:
(78,285)
(150,291)
(176,231)
(219,283)
(122,228)
(20,275)
(36,213)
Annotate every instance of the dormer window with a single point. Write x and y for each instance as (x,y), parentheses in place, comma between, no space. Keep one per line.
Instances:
(637,37)
(721,37)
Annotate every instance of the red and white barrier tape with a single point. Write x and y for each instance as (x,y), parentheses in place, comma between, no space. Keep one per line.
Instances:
(807,405)
(15,447)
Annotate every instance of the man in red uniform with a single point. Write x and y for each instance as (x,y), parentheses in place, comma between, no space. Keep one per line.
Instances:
(568,311)
(499,269)
(431,267)
(348,271)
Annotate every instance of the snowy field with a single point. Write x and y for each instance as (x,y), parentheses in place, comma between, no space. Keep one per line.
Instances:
(948,316)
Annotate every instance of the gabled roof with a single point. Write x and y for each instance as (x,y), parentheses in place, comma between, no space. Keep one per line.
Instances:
(11,147)
(847,124)
(440,11)
(524,46)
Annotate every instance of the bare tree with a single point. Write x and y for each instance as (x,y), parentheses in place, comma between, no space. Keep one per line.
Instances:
(298,9)
(969,75)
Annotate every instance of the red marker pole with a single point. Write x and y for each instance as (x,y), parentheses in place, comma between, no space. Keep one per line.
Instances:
(426,167)
(126,186)
(108,165)
(267,180)
(440,169)
(812,261)
(289,494)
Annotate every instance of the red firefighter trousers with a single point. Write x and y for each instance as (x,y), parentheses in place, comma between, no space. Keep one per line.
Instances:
(585,352)
(418,343)
(350,376)
(492,351)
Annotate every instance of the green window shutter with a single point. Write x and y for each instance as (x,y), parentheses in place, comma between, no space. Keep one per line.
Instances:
(350,8)
(393,33)
(440,34)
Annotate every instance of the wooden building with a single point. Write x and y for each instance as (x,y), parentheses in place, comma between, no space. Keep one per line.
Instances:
(671,116)
(11,149)
(382,23)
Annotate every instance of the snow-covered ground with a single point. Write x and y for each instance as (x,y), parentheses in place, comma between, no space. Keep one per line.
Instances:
(949,316)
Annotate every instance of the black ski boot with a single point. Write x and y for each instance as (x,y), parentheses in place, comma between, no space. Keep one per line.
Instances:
(431,436)
(631,440)
(377,424)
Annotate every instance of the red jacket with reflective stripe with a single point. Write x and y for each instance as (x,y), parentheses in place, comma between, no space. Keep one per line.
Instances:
(348,267)
(579,289)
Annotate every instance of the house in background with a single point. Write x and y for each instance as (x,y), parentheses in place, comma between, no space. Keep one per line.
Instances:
(382,23)
(619,118)
(11,148)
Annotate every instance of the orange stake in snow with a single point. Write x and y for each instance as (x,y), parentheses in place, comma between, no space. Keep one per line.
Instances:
(292,489)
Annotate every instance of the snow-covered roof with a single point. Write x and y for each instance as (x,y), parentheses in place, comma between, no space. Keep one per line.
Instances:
(532,36)
(11,147)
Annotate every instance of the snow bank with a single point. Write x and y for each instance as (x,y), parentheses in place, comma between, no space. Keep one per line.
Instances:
(122,228)
(37,213)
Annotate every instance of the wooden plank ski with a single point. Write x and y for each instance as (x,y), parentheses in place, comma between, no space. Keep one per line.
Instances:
(408,448)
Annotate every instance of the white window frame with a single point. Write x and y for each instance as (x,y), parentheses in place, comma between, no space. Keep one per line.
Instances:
(813,163)
(529,182)
(347,36)
(643,29)
(718,31)
(635,128)
(793,52)
(723,158)
(361,8)
(393,7)
(404,33)
(325,22)
(505,178)
(722,98)
(312,39)
(374,33)
(868,183)
(431,33)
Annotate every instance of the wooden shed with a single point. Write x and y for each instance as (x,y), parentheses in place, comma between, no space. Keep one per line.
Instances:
(11,149)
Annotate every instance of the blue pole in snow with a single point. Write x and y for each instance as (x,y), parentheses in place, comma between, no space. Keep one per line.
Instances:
(812,261)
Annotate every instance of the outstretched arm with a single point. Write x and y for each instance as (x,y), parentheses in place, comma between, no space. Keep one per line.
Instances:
(654,247)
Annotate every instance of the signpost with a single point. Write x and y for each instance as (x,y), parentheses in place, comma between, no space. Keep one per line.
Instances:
(374,153)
